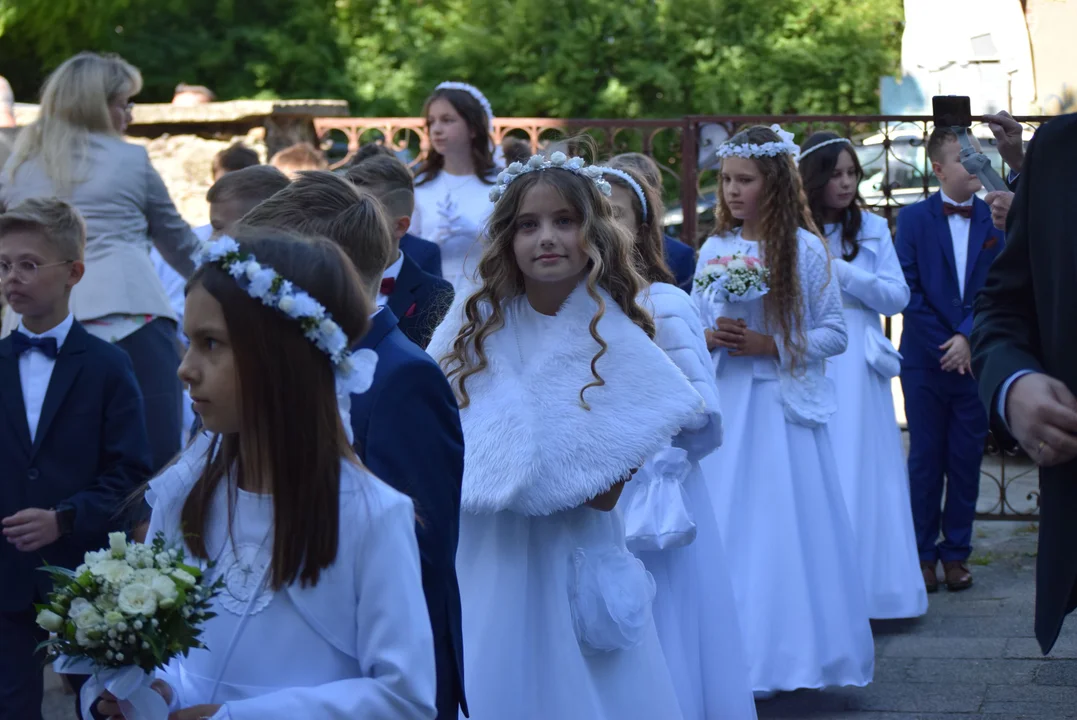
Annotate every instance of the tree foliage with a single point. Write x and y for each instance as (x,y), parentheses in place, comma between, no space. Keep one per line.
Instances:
(561,58)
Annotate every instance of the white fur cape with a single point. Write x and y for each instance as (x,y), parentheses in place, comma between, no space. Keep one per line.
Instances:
(529,445)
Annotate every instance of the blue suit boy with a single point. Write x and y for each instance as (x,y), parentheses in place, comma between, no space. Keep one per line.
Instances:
(426,254)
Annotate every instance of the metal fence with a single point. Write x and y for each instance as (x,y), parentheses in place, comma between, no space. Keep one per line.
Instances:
(891,149)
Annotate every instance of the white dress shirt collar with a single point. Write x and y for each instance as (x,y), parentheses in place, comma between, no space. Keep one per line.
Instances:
(59,332)
(947,199)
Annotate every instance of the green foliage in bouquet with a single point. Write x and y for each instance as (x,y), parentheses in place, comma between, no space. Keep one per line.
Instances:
(127,605)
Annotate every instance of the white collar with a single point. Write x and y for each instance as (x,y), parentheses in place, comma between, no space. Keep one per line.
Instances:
(393,271)
(945,199)
(59,332)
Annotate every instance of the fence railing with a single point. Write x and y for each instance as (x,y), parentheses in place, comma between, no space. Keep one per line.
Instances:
(891,149)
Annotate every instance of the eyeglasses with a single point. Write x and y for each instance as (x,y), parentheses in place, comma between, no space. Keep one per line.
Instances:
(25,270)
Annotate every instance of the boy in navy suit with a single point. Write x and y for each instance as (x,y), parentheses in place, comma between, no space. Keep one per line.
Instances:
(946,245)
(72,434)
(418,299)
(406,426)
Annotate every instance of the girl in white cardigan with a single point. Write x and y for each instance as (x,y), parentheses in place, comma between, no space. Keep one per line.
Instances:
(867,441)
(774,480)
(322,614)
(694,609)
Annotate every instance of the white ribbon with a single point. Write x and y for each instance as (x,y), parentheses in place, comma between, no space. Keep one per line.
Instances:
(130,685)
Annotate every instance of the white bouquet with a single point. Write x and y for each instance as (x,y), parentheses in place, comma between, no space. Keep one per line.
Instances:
(128,609)
(731,280)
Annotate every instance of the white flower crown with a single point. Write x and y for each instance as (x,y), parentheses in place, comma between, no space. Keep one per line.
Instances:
(770,149)
(632,184)
(813,148)
(354,371)
(473,92)
(558,161)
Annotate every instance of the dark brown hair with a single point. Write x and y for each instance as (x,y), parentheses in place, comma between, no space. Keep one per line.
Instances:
(234,157)
(478,124)
(291,436)
(783,210)
(301,156)
(515,149)
(387,178)
(650,244)
(369,150)
(250,185)
(816,169)
(939,137)
(321,203)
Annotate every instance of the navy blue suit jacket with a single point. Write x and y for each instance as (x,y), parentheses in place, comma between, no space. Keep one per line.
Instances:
(420,301)
(90,451)
(681,259)
(425,253)
(937,311)
(407,432)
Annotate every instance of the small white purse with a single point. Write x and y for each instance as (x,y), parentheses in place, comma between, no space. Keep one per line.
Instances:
(880,353)
(656,515)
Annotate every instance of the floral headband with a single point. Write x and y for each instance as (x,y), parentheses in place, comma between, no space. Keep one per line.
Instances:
(558,161)
(354,371)
(473,92)
(770,149)
(631,181)
(813,148)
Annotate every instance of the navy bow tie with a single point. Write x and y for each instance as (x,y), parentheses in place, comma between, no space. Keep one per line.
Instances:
(21,343)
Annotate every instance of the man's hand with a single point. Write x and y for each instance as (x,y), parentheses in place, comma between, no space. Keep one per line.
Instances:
(31,529)
(1008,138)
(1000,201)
(958,355)
(1041,413)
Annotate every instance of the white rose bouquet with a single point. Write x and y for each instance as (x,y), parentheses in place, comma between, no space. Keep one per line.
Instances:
(128,609)
(731,280)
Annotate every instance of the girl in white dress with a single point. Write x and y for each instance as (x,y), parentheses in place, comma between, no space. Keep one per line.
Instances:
(867,441)
(452,186)
(562,395)
(322,614)
(694,609)
(774,479)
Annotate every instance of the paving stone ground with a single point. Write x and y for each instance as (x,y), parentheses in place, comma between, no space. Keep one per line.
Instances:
(972,657)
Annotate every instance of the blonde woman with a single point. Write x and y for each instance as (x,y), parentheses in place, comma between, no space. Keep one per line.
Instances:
(75,150)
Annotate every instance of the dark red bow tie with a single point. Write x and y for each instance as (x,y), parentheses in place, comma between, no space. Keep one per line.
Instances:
(964,211)
(388,285)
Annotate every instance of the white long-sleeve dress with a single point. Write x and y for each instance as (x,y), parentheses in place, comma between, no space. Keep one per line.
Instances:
(556,611)
(451,210)
(694,608)
(356,645)
(864,431)
(774,483)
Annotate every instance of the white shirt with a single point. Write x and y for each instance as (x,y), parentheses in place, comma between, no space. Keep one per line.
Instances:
(451,211)
(392,272)
(959,233)
(35,371)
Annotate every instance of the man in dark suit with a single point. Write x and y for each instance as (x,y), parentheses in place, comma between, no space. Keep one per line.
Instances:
(1025,355)
(681,259)
(945,244)
(418,299)
(72,435)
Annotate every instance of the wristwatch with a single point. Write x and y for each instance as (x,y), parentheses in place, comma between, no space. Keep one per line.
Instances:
(65,518)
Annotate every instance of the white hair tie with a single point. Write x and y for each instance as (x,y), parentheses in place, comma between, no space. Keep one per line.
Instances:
(473,92)
(832,141)
(632,184)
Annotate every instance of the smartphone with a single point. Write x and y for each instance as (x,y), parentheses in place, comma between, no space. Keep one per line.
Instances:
(951,111)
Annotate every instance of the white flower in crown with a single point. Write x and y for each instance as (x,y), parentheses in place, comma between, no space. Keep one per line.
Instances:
(515,168)
(784,145)
(214,251)
(557,160)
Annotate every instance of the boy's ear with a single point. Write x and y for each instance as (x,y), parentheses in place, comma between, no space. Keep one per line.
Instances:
(403,224)
(77,270)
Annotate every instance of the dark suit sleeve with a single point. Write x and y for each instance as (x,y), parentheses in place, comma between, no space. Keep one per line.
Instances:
(1005,335)
(124,455)
(415,444)
(908,230)
(432,313)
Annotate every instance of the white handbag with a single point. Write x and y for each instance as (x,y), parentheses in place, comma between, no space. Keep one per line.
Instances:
(880,353)
(656,515)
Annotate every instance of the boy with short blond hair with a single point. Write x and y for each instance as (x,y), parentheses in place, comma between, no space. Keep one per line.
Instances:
(72,434)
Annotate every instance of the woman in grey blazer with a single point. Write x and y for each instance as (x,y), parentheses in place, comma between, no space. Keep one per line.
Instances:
(75,151)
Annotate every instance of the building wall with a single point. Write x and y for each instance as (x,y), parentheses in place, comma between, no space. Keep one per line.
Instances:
(1052,27)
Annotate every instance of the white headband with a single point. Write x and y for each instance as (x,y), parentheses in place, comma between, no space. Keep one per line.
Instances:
(631,183)
(473,92)
(558,161)
(769,149)
(813,148)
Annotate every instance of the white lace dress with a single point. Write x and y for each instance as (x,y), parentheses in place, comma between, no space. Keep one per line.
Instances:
(867,441)
(774,484)
(451,211)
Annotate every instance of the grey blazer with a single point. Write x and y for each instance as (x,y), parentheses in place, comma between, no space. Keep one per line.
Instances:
(126,207)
